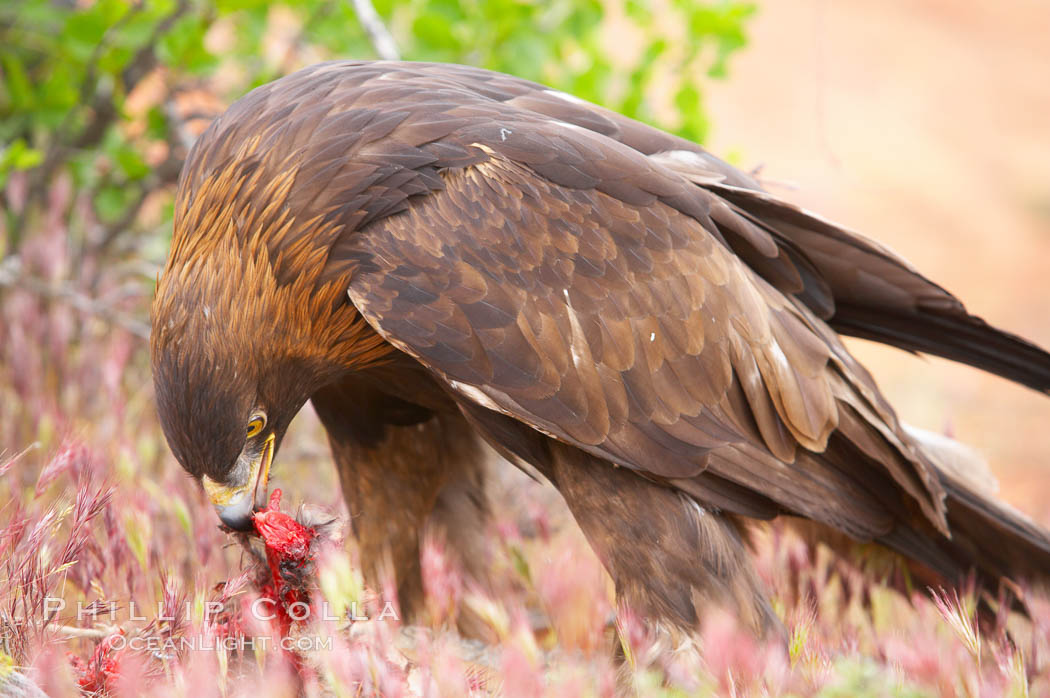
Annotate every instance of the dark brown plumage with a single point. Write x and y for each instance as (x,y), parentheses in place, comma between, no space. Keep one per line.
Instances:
(437,255)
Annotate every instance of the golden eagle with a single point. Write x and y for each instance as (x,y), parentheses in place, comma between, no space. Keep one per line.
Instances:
(438,256)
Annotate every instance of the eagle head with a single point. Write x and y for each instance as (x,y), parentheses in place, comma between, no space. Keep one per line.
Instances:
(230,372)
(250,318)
(224,401)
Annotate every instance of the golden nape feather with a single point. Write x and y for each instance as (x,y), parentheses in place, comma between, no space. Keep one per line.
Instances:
(425,250)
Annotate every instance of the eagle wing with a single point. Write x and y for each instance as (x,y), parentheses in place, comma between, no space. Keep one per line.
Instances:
(861,287)
(582,288)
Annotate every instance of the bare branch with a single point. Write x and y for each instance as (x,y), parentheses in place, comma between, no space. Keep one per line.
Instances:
(382,41)
(12,276)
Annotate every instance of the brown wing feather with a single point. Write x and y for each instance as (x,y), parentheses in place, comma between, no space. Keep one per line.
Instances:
(626,330)
(859,286)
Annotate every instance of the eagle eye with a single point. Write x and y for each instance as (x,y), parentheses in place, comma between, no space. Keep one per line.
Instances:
(256,424)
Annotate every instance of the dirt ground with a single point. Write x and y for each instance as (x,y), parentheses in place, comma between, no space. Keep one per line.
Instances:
(924,124)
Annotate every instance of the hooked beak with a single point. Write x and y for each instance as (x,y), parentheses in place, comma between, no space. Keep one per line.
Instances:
(236,503)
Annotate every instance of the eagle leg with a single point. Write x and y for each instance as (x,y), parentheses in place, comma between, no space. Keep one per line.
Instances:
(407,472)
(669,556)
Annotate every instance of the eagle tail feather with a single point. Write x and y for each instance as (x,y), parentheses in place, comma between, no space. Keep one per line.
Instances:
(993,546)
(1004,542)
(1001,541)
(863,289)
(956,336)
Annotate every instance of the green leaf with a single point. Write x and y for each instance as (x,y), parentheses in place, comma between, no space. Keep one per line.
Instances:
(112,200)
(639,11)
(131,163)
(156,123)
(17,86)
(183,46)
(689,103)
(83,32)
(19,156)
(434,30)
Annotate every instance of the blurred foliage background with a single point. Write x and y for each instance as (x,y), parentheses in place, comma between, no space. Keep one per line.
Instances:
(110,93)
